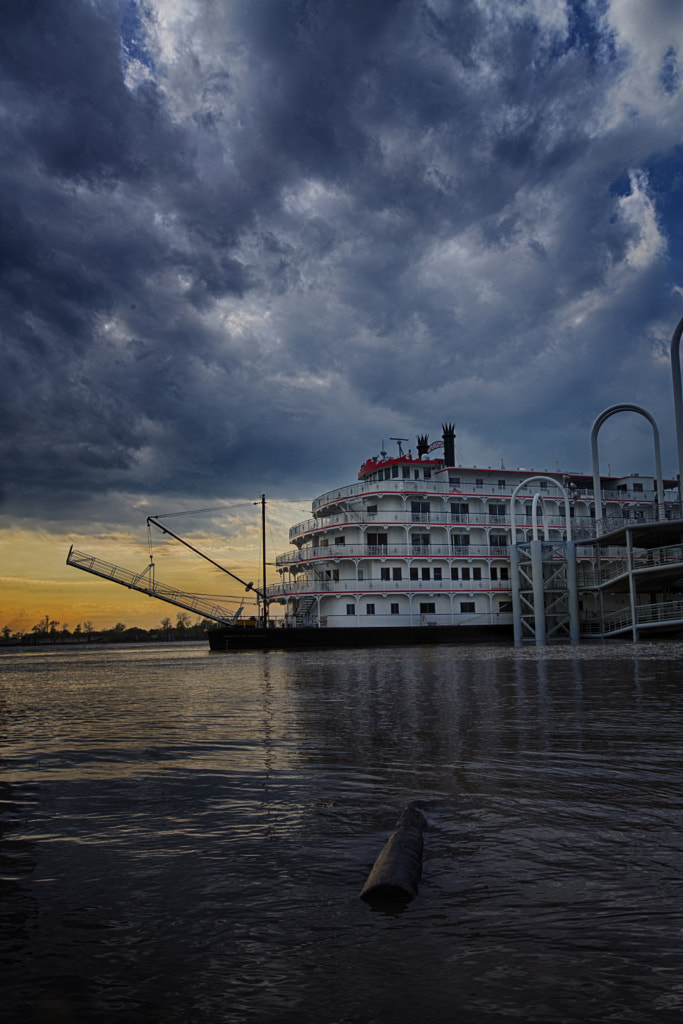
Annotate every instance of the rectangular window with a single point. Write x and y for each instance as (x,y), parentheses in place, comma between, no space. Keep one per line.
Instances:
(394,608)
(499,540)
(437,574)
(459,508)
(494,572)
(406,472)
(413,573)
(397,574)
(420,511)
(479,482)
(425,574)
(371,510)
(496,509)
(350,609)
(416,473)
(476,574)
(384,574)
(419,540)
(360,573)
(387,474)
(504,572)
(340,541)
(394,471)
(428,474)
(370,609)
(501,483)
(455,574)
(460,540)
(377,540)
(466,607)
(427,608)
(455,480)
(465,574)
(637,487)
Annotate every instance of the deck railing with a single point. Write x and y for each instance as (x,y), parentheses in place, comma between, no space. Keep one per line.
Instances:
(398,485)
(450,588)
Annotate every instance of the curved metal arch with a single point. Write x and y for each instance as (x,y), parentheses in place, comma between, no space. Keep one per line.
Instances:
(597,493)
(678,396)
(515,495)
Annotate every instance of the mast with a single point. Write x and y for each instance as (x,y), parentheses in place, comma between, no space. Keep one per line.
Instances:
(263,549)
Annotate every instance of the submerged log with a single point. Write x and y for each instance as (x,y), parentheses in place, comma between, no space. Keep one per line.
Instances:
(397,870)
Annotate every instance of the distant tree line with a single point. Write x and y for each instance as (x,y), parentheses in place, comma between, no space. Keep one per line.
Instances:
(51,631)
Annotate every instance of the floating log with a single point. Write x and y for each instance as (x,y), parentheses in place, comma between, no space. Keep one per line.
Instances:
(396,872)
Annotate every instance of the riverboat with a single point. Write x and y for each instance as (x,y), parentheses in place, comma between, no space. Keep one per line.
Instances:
(418,550)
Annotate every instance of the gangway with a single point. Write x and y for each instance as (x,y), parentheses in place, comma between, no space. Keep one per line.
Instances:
(145,583)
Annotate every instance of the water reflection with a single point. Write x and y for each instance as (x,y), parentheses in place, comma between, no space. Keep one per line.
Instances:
(198,830)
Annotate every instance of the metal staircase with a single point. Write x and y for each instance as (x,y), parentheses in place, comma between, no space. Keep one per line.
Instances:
(304,611)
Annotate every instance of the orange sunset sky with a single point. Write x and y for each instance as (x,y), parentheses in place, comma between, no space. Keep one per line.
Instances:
(36,581)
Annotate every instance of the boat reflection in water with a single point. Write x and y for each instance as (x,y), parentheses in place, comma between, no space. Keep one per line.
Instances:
(189,834)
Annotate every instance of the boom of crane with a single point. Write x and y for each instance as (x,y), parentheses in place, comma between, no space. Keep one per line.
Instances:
(145,581)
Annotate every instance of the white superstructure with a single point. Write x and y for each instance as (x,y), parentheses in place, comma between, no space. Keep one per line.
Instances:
(419,540)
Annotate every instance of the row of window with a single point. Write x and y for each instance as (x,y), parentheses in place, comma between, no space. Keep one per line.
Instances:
(426,608)
(457,573)
(392,472)
(422,540)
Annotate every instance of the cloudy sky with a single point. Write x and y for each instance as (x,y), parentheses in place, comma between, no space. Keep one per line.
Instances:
(245,241)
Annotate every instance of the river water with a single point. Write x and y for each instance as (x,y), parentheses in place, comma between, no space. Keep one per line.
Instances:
(185,834)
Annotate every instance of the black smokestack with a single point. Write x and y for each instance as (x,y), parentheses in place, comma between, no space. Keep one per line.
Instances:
(449,444)
(422,444)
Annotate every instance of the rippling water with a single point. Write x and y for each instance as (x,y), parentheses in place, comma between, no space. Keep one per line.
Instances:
(185,835)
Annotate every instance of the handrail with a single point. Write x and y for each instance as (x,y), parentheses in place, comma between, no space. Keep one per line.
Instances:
(464,490)
(117,574)
(407,587)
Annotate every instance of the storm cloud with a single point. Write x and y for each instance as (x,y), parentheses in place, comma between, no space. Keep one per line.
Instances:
(244,242)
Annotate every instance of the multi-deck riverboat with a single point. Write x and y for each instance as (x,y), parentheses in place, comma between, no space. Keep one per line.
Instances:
(418,551)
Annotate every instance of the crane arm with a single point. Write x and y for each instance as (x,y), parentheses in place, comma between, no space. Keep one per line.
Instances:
(164,529)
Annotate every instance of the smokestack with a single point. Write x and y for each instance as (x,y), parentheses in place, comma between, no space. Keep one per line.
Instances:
(449,444)
(422,445)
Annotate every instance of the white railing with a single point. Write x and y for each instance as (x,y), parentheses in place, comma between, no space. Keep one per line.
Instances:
(388,621)
(642,561)
(583,527)
(646,615)
(367,488)
(443,518)
(336,551)
(146,583)
(294,588)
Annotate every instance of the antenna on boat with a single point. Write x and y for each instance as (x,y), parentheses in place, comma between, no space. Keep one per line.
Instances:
(398,440)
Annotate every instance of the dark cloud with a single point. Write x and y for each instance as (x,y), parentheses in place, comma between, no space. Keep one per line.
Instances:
(243,242)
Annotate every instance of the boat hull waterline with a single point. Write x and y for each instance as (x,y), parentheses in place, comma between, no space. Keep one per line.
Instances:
(279,639)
